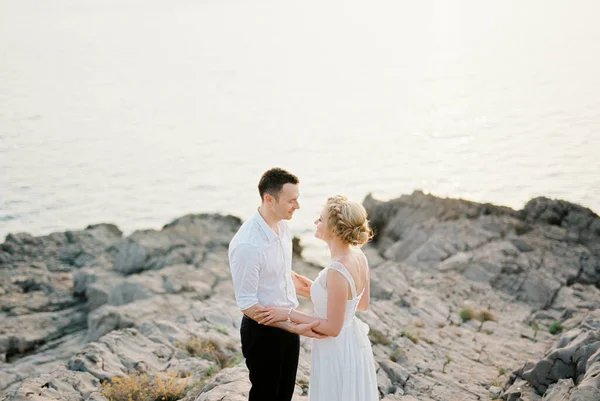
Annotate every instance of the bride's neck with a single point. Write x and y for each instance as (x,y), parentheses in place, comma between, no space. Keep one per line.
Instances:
(337,249)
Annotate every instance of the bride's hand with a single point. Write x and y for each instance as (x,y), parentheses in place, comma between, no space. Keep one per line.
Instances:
(302,285)
(271,314)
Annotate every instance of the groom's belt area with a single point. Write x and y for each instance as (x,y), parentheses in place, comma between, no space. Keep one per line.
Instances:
(250,324)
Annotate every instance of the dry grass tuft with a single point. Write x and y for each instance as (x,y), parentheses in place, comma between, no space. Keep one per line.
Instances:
(141,387)
(377,337)
(483,316)
(414,337)
(208,349)
(397,355)
(467,314)
(486,316)
(497,383)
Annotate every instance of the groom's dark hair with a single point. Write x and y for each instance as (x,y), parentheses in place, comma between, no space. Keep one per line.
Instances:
(273,180)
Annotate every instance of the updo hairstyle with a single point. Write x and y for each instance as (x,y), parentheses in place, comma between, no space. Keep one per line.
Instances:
(348,220)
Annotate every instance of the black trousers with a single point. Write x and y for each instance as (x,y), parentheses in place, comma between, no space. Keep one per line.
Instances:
(272,359)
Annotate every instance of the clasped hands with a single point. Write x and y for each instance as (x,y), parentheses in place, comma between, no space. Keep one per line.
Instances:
(269,315)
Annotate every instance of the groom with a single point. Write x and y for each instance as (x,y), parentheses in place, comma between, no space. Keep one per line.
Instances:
(260,258)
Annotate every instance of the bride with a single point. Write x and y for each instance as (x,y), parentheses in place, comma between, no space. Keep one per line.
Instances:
(343,367)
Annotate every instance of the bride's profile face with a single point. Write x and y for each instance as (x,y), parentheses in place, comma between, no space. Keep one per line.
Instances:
(322,231)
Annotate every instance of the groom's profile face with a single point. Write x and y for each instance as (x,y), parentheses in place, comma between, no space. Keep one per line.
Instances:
(286,203)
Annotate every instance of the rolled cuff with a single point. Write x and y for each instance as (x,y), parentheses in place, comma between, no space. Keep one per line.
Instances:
(246,302)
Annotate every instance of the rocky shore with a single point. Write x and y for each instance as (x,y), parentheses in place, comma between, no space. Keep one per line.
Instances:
(469,302)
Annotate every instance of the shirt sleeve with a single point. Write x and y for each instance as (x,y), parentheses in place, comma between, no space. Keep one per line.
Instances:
(245,262)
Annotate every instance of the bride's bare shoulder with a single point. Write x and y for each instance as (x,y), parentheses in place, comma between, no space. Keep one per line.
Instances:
(354,262)
(359,255)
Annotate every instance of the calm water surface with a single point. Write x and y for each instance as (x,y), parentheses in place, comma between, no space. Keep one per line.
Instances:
(137,112)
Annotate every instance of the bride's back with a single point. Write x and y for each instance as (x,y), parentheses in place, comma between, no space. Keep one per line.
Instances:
(356,264)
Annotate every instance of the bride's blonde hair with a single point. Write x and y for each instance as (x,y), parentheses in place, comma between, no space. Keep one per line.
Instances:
(348,220)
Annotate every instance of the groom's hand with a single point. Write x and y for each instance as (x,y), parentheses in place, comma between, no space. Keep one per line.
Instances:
(306,330)
(314,334)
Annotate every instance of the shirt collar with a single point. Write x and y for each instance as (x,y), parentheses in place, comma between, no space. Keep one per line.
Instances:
(271,235)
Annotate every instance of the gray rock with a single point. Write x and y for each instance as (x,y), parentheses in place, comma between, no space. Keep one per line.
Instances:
(58,385)
(187,278)
(96,397)
(521,245)
(398,374)
(591,321)
(106,319)
(520,390)
(577,219)
(571,368)
(130,257)
(585,394)
(565,362)
(559,391)
(141,301)
(495,392)
(134,288)
(384,383)
(120,353)
(97,294)
(448,234)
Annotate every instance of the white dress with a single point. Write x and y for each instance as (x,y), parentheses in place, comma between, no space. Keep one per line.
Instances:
(343,368)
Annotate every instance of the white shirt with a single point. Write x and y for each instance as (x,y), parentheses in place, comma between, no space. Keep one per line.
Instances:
(261,265)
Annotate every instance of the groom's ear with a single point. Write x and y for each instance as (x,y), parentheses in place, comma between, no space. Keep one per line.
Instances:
(269,199)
